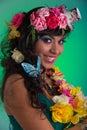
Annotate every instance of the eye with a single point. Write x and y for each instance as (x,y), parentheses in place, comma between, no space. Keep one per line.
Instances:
(61,41)
(46,39)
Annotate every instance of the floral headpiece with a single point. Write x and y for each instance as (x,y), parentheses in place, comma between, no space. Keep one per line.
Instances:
(46,18)
(52,18)
(16,21)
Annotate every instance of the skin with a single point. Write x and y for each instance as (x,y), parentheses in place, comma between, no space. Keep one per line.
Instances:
(16,98)
(49,50)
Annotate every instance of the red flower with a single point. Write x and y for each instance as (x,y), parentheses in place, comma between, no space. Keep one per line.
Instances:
(52,21)
(17,19)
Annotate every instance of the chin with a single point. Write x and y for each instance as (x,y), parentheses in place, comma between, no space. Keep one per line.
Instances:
(47,66)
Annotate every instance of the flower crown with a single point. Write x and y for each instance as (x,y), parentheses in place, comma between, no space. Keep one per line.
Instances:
(52,18)
(46,18)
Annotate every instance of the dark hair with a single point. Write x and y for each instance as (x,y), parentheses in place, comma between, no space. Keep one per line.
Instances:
(25,45)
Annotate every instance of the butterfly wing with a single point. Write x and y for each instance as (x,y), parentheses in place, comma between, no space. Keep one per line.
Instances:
(38,64)
(30,69)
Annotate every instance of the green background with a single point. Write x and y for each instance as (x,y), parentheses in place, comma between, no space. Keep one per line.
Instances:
(73,61)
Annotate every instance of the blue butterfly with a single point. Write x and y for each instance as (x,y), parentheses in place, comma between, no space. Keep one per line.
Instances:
(30,69)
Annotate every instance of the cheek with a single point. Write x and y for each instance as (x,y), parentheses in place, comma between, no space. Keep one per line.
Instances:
(40,50)
(61,49)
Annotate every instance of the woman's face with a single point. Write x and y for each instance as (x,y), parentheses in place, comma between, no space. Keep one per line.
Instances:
(49,48)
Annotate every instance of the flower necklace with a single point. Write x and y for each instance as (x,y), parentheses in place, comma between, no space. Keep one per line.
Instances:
(53,87)
(70,104)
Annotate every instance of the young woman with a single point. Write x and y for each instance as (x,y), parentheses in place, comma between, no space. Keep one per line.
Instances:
(35,95)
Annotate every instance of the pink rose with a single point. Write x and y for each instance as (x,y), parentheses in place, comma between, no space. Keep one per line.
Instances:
(72,102)
(17,19)
(61,9)
(62,21)
(52,21)
(43,12)
(39,24)
(33,16)
(66,92)
(56,11)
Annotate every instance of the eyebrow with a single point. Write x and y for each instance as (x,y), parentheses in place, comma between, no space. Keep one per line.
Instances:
(62,38)
(51,36)
(54,38)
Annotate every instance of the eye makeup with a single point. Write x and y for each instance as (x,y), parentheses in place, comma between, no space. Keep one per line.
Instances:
(62,41)
(46,39)
(49,39)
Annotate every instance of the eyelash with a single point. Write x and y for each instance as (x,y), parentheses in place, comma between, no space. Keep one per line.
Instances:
(49,40)
(62,41)
(46,39)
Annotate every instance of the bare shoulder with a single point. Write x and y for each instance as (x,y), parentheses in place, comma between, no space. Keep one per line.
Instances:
(17,99)
(15,90)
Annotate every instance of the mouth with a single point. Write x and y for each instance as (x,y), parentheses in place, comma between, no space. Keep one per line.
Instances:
(51,59)
(48,61)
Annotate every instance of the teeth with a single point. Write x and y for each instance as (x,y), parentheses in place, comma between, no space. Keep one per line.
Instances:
(51,58)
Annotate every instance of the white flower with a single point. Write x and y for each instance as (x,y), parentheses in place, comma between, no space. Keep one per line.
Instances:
(61,99)
(17,56)
(72,16)
(80,95)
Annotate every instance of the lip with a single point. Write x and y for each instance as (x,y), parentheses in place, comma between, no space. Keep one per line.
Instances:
(51,59)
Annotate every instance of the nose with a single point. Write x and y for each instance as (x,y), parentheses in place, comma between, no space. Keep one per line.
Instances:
(55,49)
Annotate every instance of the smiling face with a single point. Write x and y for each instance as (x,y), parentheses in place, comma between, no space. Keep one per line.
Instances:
(49,48)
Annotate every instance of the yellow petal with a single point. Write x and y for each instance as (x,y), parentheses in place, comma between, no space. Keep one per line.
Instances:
(14,34)
(75,119)
(12,27)
(62,113)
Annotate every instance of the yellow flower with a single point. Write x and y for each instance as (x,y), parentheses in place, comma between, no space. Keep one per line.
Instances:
(13,33)
(61,113)
(56,69)
(79,102)
(75,119)
(57,74)
(71,105)
(74,90)
(81,111)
